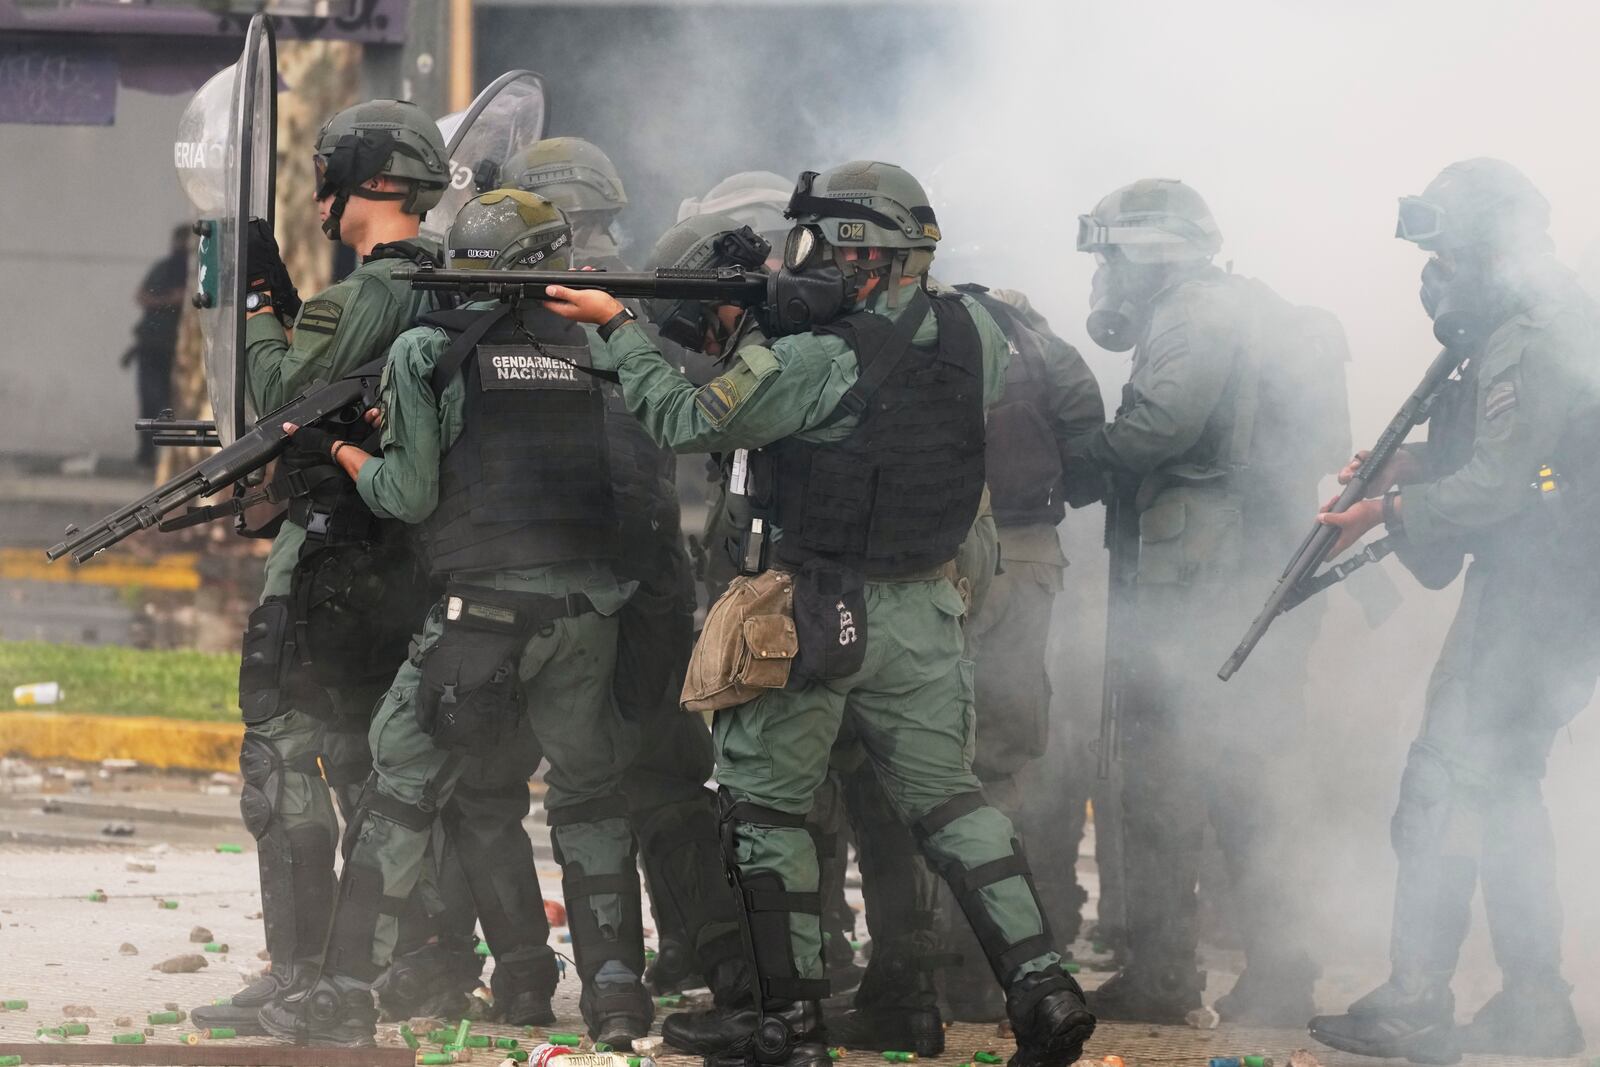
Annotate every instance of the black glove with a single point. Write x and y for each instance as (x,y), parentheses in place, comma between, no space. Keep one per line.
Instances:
(264,270)
(315,439)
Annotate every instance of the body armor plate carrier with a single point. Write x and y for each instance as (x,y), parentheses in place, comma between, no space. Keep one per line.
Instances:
(528,482)
(899,494)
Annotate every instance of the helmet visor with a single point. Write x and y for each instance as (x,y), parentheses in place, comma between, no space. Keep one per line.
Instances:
(1419,220)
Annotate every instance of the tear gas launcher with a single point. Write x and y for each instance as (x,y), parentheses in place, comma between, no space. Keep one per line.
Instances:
(1300,579)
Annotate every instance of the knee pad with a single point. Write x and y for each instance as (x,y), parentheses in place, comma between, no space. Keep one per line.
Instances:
(966,883)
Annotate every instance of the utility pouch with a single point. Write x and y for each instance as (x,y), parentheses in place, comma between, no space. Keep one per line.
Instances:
(748,643)
(261,664)
(830,621)
(470,694)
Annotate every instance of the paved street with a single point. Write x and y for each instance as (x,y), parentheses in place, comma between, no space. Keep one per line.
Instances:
(63,952)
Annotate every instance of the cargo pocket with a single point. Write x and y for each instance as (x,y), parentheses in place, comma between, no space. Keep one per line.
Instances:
(1161,557)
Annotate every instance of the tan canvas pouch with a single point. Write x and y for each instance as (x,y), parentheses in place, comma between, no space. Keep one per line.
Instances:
(748,644)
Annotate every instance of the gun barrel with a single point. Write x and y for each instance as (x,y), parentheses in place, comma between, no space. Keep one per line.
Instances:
(728,285)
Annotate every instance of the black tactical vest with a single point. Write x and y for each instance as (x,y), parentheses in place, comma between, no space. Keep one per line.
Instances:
(528,482)
(1023,458)
(899,494)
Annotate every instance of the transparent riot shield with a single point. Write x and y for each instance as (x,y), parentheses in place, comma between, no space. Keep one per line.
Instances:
(506,117)
(224,155)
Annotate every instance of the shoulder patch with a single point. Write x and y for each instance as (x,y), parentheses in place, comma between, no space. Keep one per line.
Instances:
(320,316)
(1501,398)
(719,398)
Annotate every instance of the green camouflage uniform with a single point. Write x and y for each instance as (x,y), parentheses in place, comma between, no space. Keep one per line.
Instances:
(911,704)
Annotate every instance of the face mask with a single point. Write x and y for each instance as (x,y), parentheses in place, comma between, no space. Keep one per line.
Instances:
(1114,320)
(1455,300)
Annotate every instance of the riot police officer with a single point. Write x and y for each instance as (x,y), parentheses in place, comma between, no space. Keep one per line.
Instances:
(672,810)
(1214,448)
(870,430)
(332,623)
(494,448)
(1505,476)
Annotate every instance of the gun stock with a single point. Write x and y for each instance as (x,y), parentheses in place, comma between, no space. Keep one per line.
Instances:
(1314,550)
(344,399)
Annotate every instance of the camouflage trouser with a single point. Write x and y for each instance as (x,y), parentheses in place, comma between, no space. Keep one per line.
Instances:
(1008,638)
(569,715)
(911,706)
(290,813)
(1519,663)
(1189,748)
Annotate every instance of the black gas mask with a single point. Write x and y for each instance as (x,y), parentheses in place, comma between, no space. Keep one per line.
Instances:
(1119,300)
(1457,298)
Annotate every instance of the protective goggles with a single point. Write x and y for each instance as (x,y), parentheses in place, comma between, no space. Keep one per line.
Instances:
(1094,235)
(1420,220)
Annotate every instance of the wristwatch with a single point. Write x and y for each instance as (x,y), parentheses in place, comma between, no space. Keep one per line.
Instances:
(257,300)
(615,323)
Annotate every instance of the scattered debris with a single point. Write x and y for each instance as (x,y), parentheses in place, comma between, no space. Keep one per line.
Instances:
(118,829)
(140,867)
(185,964)
(1203,1019)
(122,1020)
(224,778)
(36,693)
(218,947)
(263,955)
(119,764)
(169,905)
(253,915)
(128,948)
(171,1015)
(1301,1057)
(231,849)
(77,1011)
(646,1045)
(201,935)
(51,806)
(555,912)
(97,897)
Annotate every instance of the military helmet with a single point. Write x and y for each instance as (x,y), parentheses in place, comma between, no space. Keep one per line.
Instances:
(509,229)
(571,172)
(1154,220)
(867,204)
(394,138)
(753,198)
(1476,202)
(700,242)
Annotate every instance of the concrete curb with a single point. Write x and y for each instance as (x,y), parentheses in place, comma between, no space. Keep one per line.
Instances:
(154,742)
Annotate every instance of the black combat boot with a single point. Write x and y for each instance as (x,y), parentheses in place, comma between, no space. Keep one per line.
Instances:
(1408,1017)
(672,969)
(1149,995)
(896,1007)
(1276,993)
(1526,1018)
(330,1010)
(436,979)
(788,1034)
(1049,1017)
(523,988)
(239,1012)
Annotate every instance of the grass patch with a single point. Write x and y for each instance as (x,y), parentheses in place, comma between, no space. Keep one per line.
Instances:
(110,680)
